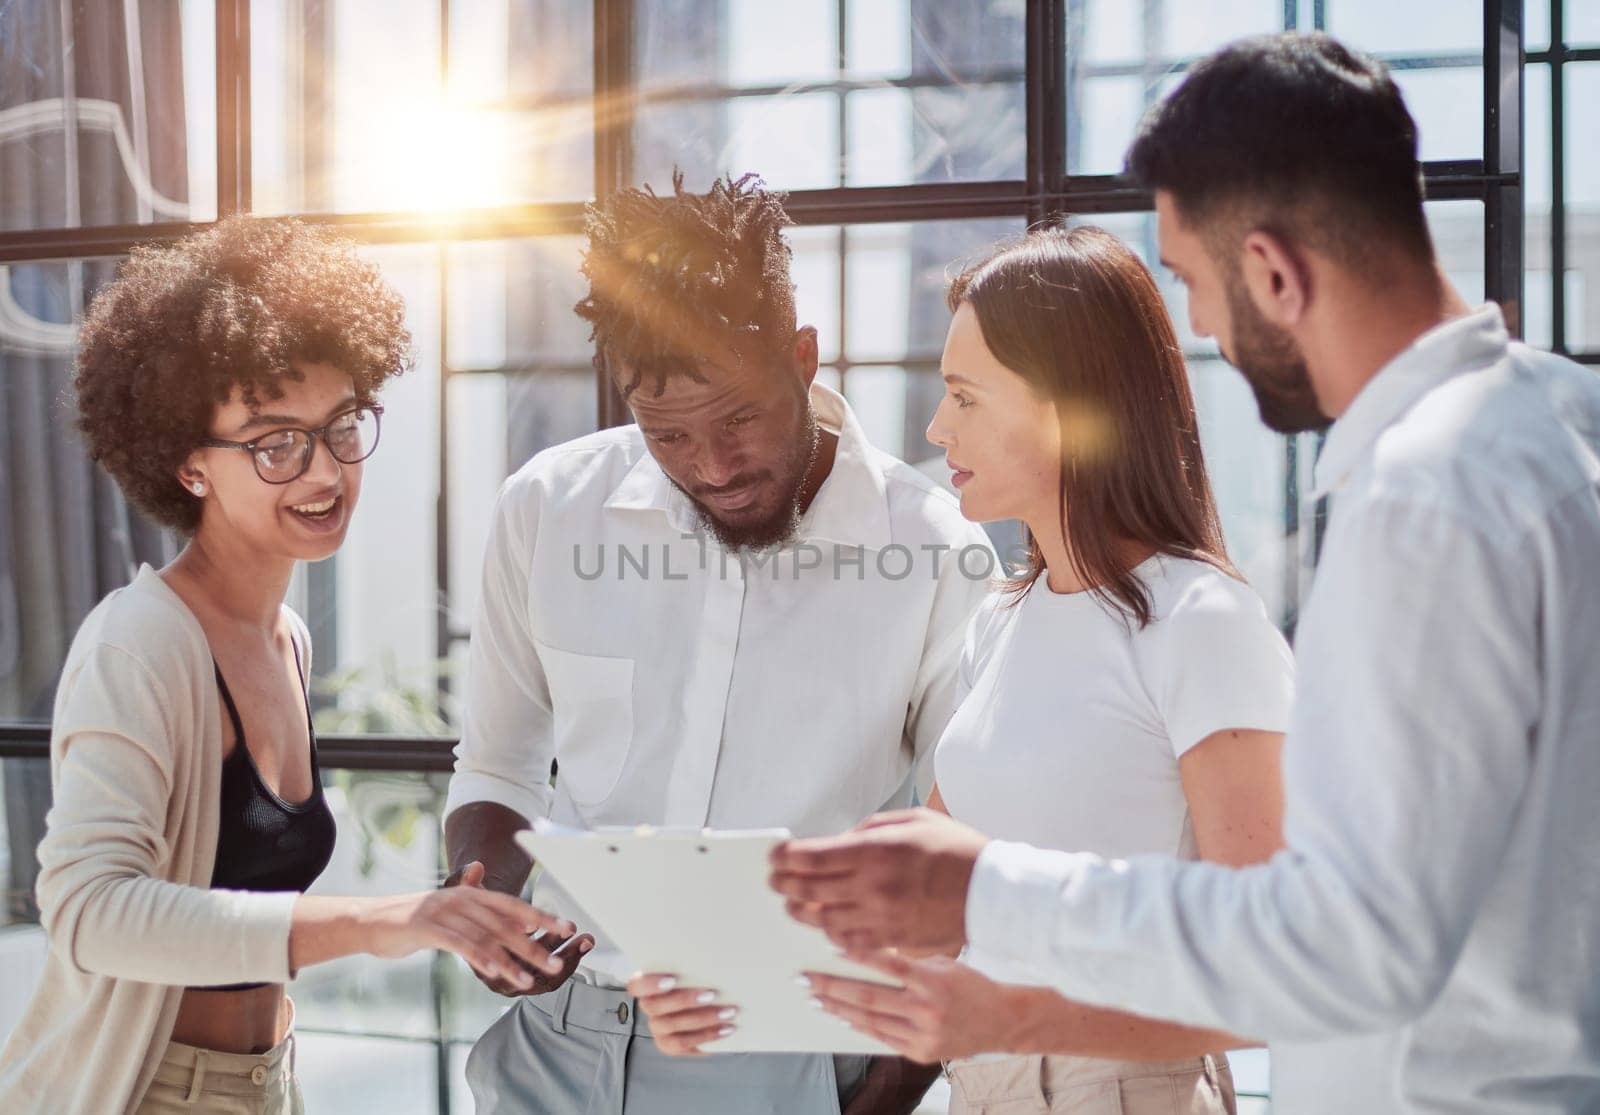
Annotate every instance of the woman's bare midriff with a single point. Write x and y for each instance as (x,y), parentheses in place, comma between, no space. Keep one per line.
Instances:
(250,1021)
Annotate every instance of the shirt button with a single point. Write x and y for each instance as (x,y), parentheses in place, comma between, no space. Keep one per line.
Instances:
(622,1013)
(258,1075)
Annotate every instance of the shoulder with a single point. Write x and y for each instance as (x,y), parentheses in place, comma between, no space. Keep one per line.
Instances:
(1188,587)
(138,660)
(593,464)
(1494,449)
(145,623)
(993,617)
(1196,606)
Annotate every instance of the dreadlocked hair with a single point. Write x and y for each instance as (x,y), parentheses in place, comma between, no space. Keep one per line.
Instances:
(671,277)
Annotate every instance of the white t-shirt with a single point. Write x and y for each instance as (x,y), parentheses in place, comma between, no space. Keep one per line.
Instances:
(1070,735)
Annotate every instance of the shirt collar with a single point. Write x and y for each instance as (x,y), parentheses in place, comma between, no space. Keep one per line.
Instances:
(851,508)
(1440,354)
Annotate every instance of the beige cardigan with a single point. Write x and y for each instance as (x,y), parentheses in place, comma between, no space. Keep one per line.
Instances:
(125,864)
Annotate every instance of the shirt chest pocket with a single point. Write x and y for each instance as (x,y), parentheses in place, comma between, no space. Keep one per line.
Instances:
(591,700)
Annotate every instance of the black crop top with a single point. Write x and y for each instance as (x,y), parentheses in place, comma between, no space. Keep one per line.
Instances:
(263,842)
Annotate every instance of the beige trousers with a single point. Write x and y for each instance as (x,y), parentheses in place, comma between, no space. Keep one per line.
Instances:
(1049,1085)
(193,1081)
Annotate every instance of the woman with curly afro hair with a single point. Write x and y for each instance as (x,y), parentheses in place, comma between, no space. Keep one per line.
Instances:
(229,384)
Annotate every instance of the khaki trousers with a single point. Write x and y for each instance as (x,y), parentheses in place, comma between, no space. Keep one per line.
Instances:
(192,1081)
(1085,1086)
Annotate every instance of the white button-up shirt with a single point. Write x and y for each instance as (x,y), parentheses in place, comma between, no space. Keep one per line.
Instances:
(1430,941)
(675,684)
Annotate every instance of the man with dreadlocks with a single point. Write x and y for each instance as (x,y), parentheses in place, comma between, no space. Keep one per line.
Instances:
(736,613)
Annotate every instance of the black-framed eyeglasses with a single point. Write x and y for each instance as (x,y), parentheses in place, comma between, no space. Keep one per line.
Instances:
(284,454)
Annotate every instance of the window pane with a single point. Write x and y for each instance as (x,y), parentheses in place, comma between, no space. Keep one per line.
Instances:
(353,109)
(66,536)
(1536,25)
(341,1072)
(1447,105)
(520,380)
(107,121)
(1583,22)
(24,800)
(1537,307)
(892,308)
(1583,207)
(1124,57)
(1434,48)
(899,93)
(1417,27)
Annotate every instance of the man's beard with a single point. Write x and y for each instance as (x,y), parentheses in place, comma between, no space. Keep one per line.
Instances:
(1273,366)
(784,523)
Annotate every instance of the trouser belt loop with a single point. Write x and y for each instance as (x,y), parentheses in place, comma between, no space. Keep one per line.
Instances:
(558,1009)
(197,1081)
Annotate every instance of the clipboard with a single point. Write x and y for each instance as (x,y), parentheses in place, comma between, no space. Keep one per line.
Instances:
(696,903)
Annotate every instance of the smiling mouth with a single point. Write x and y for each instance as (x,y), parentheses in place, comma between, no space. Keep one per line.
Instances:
(319,511)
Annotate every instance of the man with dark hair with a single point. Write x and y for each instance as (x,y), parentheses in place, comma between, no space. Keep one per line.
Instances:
(1428,940)
(705,619)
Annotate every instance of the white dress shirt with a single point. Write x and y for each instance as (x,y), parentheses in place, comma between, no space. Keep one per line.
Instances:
(1430,941)
(675,685)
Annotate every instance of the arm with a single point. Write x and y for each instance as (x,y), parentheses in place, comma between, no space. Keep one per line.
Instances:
(502,772)
(108,911)
(503,762)
(1232,783)
(102,899)
(482,832)
(1405,768)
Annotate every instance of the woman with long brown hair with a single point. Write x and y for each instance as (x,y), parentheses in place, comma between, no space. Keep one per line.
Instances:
(1128,693)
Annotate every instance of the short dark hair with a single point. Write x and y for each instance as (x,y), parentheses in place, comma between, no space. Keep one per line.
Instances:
(669,275)
(234,306)
(1268,124)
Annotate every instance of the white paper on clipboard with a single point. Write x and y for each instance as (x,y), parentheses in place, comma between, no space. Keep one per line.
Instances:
(697,904)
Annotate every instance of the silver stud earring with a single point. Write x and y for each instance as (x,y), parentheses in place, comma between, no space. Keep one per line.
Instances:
(198,488)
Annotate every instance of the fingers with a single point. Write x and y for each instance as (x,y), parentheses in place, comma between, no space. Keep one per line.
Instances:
(901,968)
(643,987)
(472,874)
(873,997)
(682,1019)
(688,1044)
(530,918)
(462,937)
(814,913)
(895,1016)
(827,855)
(506,931)
(897,1033)
(849,926)
(814,888)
